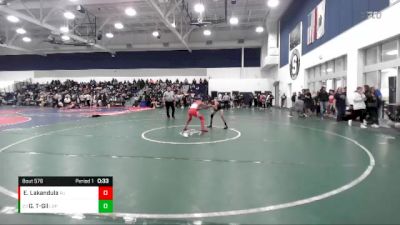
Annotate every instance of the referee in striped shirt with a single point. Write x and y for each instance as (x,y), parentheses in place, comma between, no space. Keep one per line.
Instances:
(169,101)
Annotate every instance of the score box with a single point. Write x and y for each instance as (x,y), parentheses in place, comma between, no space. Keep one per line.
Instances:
(67,195)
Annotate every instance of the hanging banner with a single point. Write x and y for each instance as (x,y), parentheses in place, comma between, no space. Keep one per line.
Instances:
(295,51)
(316,23)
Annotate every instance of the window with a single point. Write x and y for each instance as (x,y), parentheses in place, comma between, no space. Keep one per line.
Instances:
(389,51)
(388,76)
(311,74)
(311,86)
(330,74)
(318,85)
(338,83)
(372,79)
(329,85)
(323,70)
(339,67)
(330,67)
(317,72)
(371,55)
(385,80)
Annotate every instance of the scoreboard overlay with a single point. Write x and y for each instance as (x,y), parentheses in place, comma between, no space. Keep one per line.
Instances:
(65,195)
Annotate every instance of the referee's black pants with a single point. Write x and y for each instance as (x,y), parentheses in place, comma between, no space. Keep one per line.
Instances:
(170,105)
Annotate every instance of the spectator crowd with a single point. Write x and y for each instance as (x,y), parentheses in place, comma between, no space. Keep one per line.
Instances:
(72,94)
(367,105)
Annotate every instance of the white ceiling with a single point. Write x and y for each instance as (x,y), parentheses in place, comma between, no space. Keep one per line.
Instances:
(137,33)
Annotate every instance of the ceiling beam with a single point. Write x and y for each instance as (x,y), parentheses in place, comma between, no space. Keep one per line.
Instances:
(58,6)
(105,23)
(168,24)
(49,27)
(27,9)
(13,47)
(172,9)
(188,33)
(158,47)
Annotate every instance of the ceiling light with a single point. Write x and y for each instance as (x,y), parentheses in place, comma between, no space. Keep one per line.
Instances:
(12,19)
(69,15)
(109,35)
(259,29)
(4,2)
(21,31)
(156,33)
(233,20)
(207,32)
(392,52)
(199,8)
(273,3)
(26,39)
(64,29)
(73,0)
(65,38)
(118,25)
(130,11)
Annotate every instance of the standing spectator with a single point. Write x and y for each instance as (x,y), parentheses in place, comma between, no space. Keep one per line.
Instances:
(270,98)
(241,100)
(255,99)
(331,104)
(316,104)
(340,98)
(283,100)
(378,95)
(178,100)
(323,98)
(299,106)
(359,107)
(308,104)
(235,101)
(88,98)
(293,98)
(372,106)
(226,99)
(220,97)
(169,100)
(263,100)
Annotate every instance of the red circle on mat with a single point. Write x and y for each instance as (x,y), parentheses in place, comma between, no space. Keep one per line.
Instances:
(10,120)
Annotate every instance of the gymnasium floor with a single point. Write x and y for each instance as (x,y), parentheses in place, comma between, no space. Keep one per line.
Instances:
(266,169)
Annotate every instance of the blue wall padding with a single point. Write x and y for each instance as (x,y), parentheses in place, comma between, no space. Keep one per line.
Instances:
(132,60)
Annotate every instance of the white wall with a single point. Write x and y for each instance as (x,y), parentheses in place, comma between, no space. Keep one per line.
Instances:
(249,79)
(271,75)
(87,79)
(242,85)
(348,43)
(7,78)
(120,74)
(116,73)
(234,73)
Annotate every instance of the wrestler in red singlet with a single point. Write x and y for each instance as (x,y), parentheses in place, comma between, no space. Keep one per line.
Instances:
(194,111)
